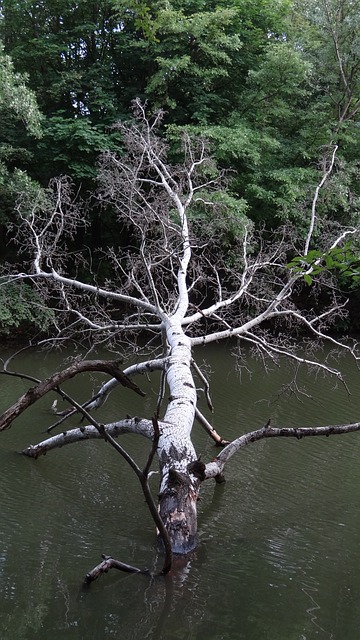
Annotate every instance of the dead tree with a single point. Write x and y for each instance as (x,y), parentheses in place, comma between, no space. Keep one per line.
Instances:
(176,287)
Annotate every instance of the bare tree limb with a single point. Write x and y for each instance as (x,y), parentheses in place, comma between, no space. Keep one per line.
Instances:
(216,467)
(35,393)
(327,173)
(134,425)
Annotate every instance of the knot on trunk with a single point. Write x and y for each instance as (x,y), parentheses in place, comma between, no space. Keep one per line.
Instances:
(197,468)
(177,479)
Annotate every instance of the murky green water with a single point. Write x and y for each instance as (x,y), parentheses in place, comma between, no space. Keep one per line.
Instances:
(279,552)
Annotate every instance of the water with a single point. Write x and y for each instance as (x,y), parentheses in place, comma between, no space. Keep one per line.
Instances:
(278,554)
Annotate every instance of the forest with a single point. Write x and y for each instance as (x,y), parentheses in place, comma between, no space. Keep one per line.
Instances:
(271,86)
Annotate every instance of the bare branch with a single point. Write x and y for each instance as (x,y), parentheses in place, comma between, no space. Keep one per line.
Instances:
(35,393)
(205,382)
(210,429)
(257,340)
(79,434)
(327,172)
(217,465)
(137,369)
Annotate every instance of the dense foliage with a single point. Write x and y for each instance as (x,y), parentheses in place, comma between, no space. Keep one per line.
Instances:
(271,85)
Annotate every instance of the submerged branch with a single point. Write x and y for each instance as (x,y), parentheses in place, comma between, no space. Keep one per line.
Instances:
(143,476)
(108,563)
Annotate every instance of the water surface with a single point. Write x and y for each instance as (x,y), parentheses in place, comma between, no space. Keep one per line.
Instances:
(278,554)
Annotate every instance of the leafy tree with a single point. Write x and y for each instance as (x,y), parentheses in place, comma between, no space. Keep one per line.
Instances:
(290,107)
(195,56)
(22,309)
(90,60)
(66,50)
(15,96)
(328,33)
(19,118)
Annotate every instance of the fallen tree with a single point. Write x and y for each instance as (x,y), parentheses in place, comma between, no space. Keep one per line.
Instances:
(177,287)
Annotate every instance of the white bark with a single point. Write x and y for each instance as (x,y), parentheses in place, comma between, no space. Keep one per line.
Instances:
(141,368)
(134,425)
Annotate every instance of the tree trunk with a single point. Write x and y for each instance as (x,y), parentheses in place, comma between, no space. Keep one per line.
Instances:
(178,511)
(179,487)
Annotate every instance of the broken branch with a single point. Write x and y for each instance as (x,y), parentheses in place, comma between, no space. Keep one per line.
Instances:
(35,393)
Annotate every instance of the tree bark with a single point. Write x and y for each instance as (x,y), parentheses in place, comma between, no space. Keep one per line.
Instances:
(179,488)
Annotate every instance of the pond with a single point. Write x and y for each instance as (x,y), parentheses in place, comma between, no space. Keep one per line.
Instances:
(279,542)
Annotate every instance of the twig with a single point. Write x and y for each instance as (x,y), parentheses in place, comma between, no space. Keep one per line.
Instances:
(206,384)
